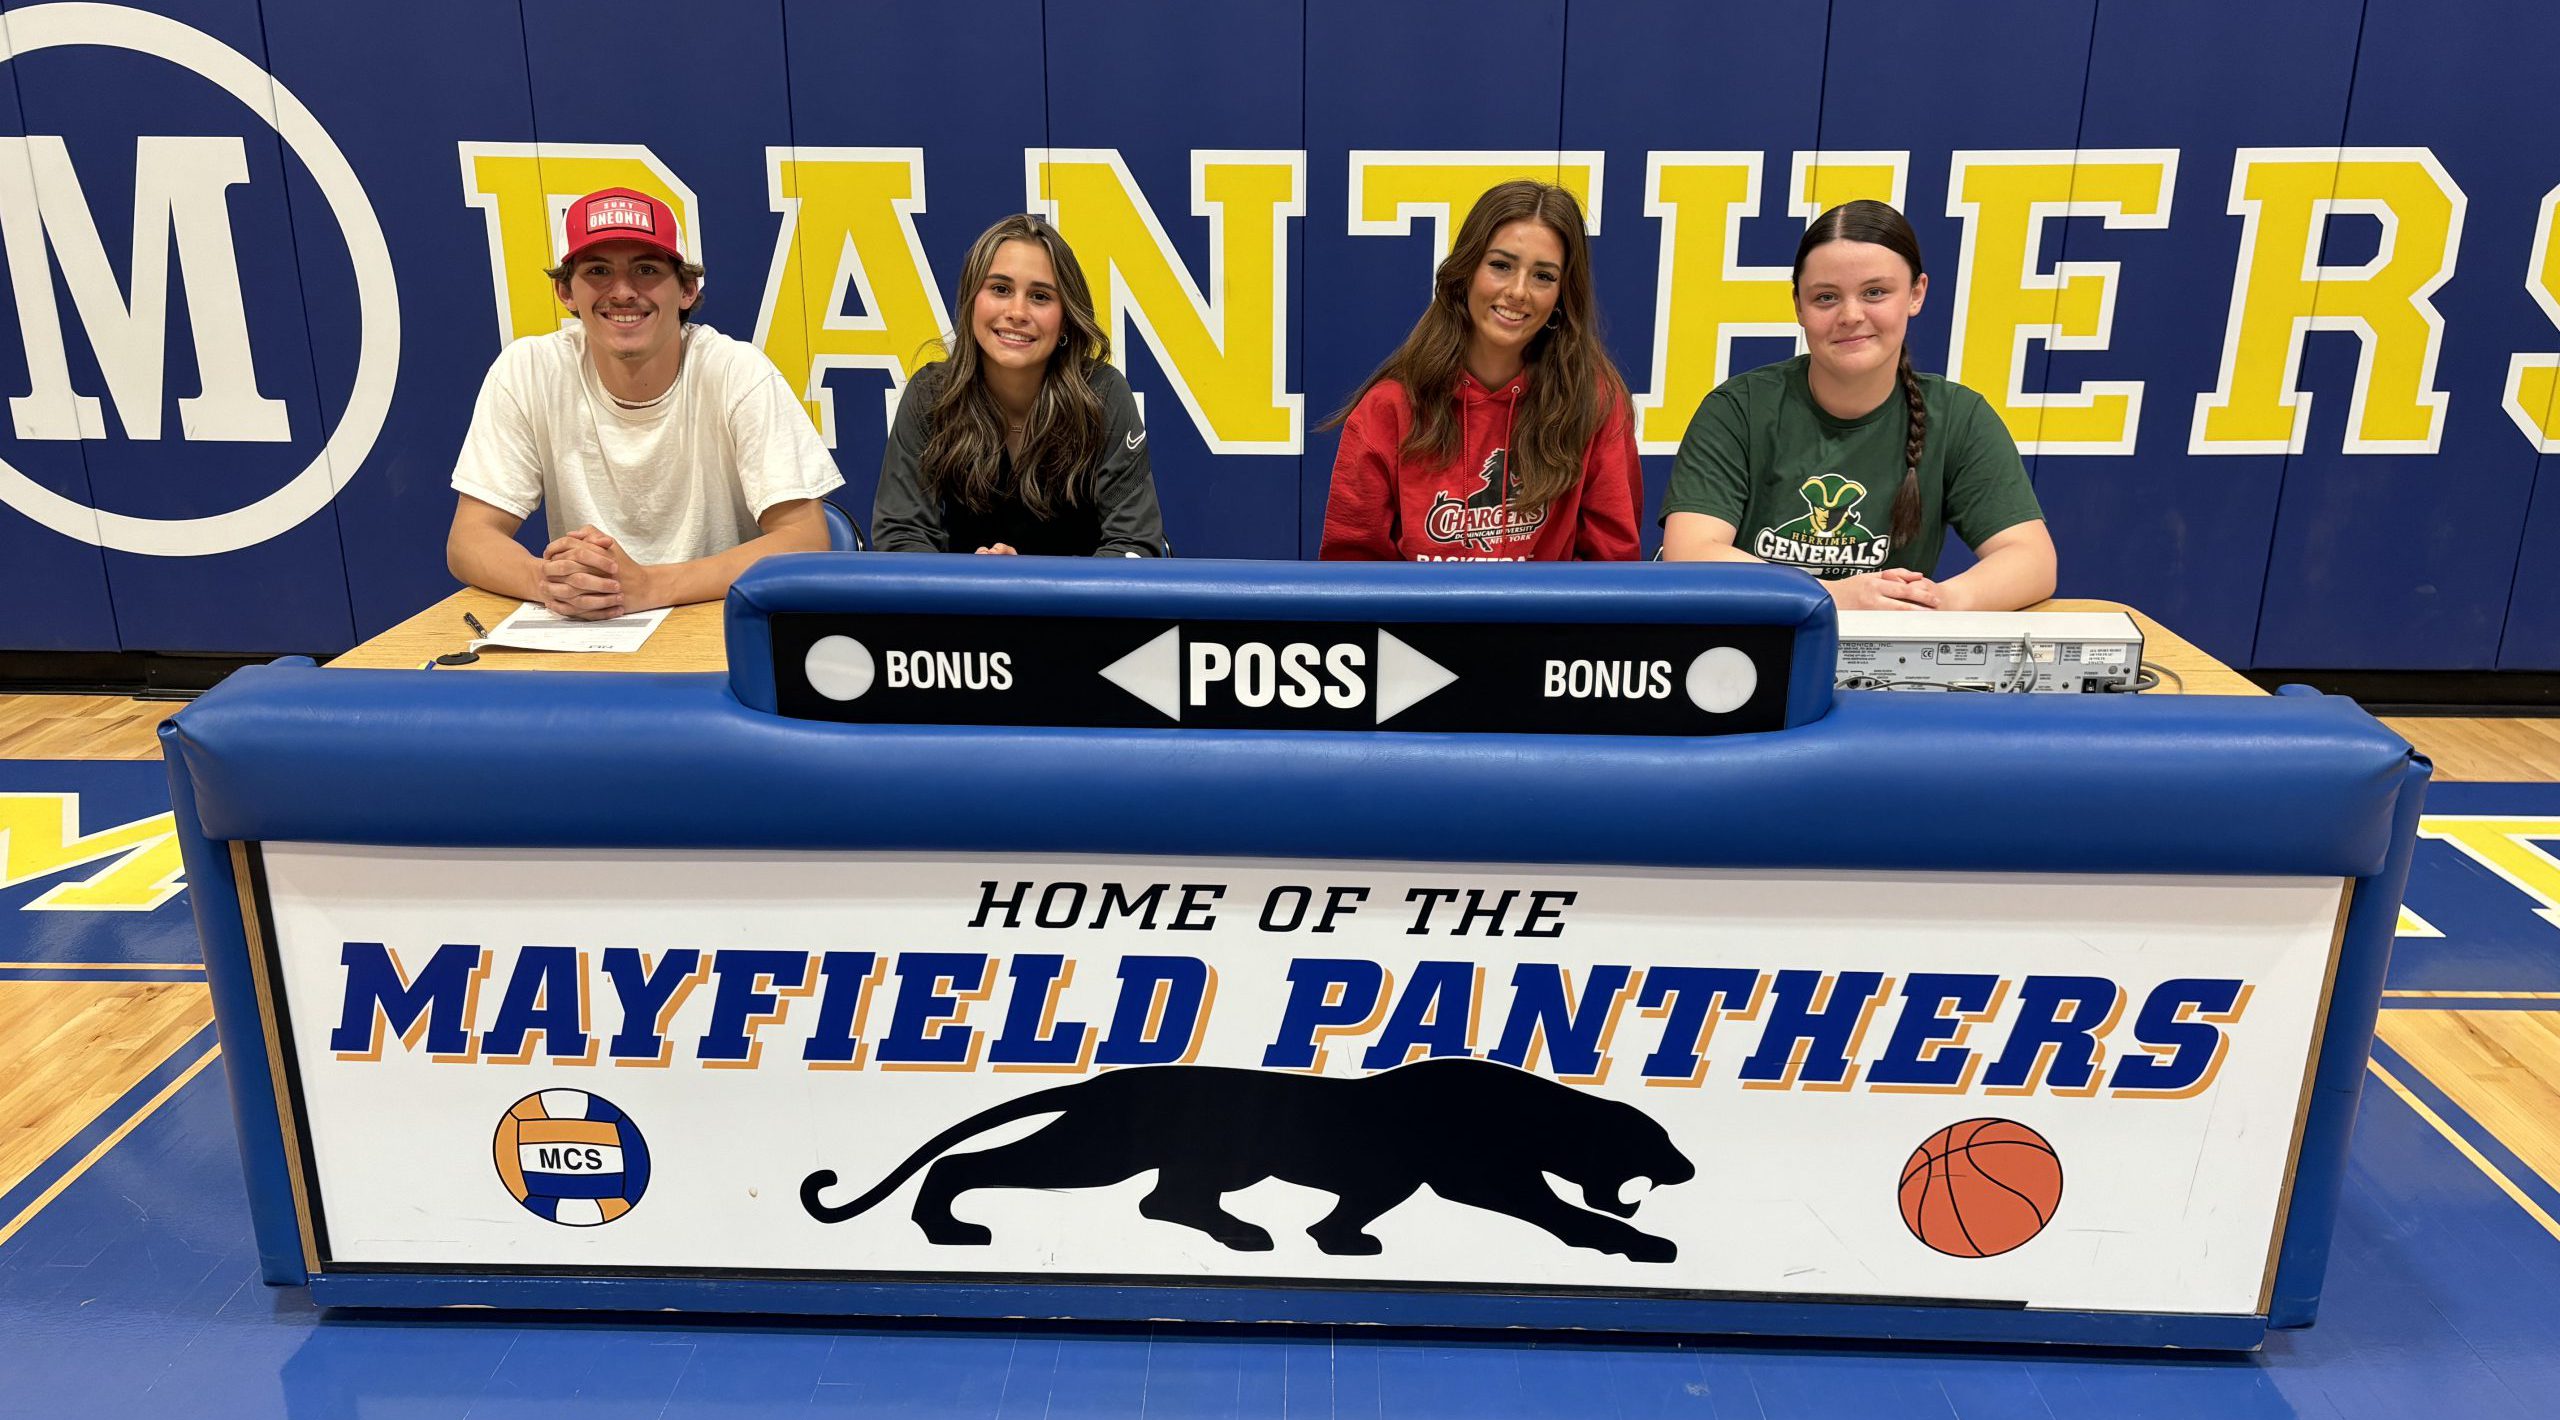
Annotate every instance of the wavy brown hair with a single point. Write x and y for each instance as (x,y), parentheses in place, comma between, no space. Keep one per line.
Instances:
(1876,223)
(1573,385)
(964,453)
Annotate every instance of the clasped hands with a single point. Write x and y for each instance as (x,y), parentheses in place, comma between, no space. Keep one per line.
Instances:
(1893,589)
(587,576)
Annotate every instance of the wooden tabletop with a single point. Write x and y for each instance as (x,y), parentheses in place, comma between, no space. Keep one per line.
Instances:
(690,640)
(2202,674)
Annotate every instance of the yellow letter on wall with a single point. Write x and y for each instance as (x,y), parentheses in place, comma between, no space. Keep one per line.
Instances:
(523,190)
(2279,293)
(1703,298)
(1825,178)
(2002,301)
(2533,381)
(1223,351)
(1390,189)
(848,223)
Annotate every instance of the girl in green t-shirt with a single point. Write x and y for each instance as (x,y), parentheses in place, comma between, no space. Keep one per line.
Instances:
(1789,463)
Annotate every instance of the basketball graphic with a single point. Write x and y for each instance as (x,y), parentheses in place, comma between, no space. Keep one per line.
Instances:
(1980,1188)
(571,1157)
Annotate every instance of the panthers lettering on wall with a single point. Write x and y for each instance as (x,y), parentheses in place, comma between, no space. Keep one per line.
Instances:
(2281,341)
(1425,1076)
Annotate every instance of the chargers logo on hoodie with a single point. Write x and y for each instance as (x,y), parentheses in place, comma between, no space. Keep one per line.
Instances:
(1485,519)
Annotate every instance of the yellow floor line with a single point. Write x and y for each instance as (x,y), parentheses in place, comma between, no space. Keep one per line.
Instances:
(31,1210)
(2505,1184)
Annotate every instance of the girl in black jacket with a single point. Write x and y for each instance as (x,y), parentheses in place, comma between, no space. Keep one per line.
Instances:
(1023,439)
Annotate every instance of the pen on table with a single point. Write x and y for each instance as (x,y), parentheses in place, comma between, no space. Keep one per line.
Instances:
(476,628)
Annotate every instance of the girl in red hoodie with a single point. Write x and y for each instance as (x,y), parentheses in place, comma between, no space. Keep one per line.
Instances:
(1500,430)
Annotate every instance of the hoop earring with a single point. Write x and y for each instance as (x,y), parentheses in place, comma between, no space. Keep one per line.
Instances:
(1555,320)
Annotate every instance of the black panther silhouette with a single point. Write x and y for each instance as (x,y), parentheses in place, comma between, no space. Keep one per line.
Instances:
(1474,1131)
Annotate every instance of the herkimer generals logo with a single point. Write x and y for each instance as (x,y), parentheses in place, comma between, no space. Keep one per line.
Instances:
(183,179)
(1829,540)
(1485,518)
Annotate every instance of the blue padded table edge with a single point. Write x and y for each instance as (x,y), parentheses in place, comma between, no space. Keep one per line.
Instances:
(1154,589)
(214,897)
(2355,1003)
(2198,784)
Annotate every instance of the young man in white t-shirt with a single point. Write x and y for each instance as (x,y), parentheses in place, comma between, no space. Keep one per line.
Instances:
(669,456)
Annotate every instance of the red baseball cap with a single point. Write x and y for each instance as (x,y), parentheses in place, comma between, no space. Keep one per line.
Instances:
(618,214)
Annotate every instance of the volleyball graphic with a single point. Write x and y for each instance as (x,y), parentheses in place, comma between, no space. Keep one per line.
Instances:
(1981,1188)
(571,1157)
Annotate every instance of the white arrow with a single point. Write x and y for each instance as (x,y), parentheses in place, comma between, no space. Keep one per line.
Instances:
(1406,677)
(1153,673)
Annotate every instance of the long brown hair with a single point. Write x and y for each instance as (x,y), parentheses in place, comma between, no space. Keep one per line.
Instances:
(1866,220)
(964,454)
(1572,386)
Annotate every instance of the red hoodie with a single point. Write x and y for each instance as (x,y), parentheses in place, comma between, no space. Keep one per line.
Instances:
(1384,508)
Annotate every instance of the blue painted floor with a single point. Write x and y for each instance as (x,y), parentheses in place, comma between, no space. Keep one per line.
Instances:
(134,1292)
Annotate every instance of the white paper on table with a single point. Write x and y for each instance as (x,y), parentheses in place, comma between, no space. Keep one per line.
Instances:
(531,628)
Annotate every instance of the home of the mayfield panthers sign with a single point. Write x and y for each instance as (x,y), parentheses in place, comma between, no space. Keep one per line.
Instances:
(1809,1084)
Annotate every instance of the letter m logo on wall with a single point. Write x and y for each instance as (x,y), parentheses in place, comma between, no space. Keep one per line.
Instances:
(180,192)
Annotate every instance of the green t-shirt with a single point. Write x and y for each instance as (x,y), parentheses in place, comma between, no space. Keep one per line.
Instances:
(1813,492)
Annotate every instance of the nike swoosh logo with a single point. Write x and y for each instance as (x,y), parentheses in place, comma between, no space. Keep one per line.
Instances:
(1137,438)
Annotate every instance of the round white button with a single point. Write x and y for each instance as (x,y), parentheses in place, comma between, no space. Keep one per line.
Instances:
(840,668)
(1721,679)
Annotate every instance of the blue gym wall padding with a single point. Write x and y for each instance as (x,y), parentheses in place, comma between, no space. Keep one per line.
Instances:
(2323,558)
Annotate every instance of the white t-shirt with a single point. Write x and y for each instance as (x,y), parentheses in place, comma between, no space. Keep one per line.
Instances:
(682,478)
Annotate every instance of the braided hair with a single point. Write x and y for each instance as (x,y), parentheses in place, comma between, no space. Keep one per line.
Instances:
(1878,224)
